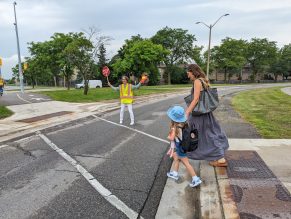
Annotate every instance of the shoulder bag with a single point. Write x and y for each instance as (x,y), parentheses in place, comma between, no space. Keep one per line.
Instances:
(208,100)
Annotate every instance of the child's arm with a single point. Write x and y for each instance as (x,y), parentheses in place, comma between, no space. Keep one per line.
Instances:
(172,134)
(171,149)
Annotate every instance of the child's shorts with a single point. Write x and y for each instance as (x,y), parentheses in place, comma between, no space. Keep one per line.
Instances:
(179,152)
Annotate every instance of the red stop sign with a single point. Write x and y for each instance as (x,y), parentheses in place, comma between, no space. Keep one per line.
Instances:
(105,71)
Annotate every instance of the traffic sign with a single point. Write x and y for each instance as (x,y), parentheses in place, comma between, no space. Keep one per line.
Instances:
(25,65)
(105,71)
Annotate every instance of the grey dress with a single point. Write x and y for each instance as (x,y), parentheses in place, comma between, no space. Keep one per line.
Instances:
(212,141)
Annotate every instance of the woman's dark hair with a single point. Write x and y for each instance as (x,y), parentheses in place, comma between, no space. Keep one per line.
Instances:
(197,72)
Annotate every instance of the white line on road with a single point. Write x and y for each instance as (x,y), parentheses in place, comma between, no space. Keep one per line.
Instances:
(112,199)
(132,129)
(23,99)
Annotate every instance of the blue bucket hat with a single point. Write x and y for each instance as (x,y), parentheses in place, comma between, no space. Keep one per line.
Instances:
(177,114)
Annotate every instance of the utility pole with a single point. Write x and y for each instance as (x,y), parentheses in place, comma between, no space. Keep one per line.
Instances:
(18,50)
(209,40)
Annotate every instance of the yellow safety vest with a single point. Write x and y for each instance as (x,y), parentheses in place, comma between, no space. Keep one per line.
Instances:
(1,82)
(126,94)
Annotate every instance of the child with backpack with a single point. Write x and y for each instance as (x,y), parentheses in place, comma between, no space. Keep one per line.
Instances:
(178,123)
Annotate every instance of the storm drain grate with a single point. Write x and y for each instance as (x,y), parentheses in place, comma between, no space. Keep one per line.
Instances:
(256,190)
(247,165)
(43,117)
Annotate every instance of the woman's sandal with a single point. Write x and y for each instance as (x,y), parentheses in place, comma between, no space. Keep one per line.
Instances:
(216,163)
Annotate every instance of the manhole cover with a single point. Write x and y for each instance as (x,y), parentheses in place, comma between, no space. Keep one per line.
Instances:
(256,190)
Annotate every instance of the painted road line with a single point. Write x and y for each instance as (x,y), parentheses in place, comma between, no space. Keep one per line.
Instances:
(23,99)
(112,199)
(132,129)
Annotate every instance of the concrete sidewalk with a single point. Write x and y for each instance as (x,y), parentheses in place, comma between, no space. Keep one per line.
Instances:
(214,194)
(287,90)
(28,118)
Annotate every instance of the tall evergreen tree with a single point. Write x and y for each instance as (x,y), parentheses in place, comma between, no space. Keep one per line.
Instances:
(102,60)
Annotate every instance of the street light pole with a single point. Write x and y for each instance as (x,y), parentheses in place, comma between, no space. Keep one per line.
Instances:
(18,50)
(209,42)
(208,55)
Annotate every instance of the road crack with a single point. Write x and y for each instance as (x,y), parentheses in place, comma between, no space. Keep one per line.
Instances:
(25,151)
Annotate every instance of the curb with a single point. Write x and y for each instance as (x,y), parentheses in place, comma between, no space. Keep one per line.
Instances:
(213,199)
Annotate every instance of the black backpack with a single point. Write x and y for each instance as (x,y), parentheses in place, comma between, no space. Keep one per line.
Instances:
(189,140)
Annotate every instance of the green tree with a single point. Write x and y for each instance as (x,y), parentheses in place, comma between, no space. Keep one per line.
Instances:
(102,61)
(179,75)
(40,54)
(79,55)
(32,73)
(260,54)
(141,56)
(180,44)
(128,44)
(197,56)
(286,60)
(49,55)
(59,42)
(229,56)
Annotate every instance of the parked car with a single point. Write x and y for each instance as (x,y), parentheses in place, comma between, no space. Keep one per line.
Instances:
(91,83)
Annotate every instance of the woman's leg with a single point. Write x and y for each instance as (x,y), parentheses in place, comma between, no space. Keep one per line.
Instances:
(130,113)
(188,166)
(122,107)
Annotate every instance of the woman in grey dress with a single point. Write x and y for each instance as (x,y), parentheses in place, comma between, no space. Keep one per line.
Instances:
(212,142)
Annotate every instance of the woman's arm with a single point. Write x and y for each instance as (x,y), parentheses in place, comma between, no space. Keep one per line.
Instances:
(136,86)
(197,89)
(114,88)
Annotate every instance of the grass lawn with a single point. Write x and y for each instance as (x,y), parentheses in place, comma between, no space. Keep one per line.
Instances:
(4,112)
(269,110)
(94,95)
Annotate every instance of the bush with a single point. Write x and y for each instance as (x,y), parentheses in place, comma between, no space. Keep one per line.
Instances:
(178,75)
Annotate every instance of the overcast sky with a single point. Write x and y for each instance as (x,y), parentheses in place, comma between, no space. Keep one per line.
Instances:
(120,19)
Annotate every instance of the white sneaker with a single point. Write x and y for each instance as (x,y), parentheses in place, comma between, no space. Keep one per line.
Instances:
(195,183)
(172,175)
(120,122)
(132,123)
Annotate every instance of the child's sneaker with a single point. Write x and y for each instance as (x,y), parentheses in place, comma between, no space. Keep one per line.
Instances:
(173,175)
(196,181)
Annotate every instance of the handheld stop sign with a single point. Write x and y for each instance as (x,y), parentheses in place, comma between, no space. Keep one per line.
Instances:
(105,71)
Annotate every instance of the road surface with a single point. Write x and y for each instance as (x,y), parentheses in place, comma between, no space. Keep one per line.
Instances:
(96,168)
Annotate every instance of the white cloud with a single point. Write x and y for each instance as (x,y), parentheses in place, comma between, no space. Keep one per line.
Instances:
(8,64)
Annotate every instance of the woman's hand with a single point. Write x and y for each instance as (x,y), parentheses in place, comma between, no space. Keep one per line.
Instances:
(187,113)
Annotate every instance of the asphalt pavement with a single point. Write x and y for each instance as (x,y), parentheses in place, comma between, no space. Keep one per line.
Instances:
(37,182)
(125,162)
(18,98)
